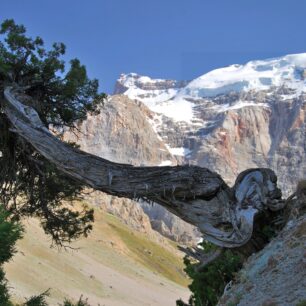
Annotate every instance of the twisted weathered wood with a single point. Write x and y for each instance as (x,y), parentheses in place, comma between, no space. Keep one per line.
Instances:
(197,195)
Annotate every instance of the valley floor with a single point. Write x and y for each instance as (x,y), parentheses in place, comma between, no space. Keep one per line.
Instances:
(114,266)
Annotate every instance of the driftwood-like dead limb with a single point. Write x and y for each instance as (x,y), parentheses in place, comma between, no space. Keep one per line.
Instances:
(197,195)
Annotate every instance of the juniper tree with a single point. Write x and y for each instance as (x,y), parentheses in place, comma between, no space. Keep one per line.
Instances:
(29,184)
(10,232)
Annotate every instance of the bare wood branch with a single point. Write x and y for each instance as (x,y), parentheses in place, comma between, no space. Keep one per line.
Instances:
(197,195)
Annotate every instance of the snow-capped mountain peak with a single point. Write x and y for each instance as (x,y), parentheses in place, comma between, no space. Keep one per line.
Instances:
(139,82)
(157,94)
(286,71)
(175,99)
(135,80)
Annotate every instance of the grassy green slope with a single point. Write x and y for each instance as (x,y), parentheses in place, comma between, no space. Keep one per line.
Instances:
(115,265)
(150,254)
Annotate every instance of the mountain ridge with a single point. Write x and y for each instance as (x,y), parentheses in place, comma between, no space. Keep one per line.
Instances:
(261,74)
(212,122)
(226,133)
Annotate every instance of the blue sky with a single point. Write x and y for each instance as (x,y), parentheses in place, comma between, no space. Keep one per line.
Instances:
(175,39)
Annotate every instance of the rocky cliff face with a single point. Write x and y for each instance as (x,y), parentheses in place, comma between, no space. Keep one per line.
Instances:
(124,132)
(234,118)
(170,226)
(228,120)
(269,132)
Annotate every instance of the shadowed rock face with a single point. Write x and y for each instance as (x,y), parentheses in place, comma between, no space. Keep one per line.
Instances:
(169,225)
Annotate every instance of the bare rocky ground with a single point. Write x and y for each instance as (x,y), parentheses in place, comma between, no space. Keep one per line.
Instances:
(114,266)
(275,276)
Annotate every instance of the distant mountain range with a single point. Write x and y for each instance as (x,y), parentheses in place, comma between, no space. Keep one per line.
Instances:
(232,118)
(228,120)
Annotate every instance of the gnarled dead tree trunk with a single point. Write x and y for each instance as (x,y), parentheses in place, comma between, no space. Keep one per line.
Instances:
(197,195)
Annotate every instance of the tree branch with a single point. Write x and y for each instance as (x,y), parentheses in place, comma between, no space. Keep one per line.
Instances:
(197,195)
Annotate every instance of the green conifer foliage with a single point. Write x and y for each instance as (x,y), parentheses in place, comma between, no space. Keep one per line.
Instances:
(29,184)
(10,232)
(209,282)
